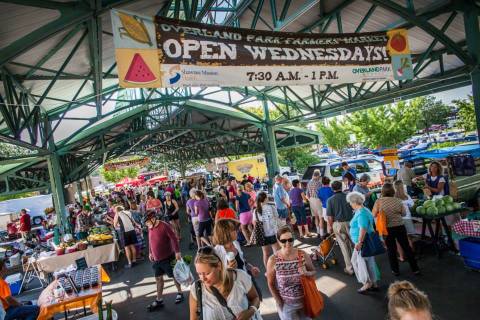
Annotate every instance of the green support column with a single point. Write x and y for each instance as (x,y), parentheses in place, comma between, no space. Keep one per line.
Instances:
(57,191)
(56,182)
(79,191)
(470,18)
(271,153)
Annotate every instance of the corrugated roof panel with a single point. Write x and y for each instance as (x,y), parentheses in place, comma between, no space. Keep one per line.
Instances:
(18,21)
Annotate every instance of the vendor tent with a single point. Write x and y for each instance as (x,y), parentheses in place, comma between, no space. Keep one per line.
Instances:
(473,150)
(157,179)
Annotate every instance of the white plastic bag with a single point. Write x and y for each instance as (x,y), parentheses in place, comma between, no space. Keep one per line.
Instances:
(182,273)
(360,267)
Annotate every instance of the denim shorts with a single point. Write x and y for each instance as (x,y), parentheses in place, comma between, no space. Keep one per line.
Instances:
(301,215)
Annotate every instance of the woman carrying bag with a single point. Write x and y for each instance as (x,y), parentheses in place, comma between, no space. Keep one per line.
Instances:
(361,225)
(265,218)
(287,270)
(221,293)
(394,213)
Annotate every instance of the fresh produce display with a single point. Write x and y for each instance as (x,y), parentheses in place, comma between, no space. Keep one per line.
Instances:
(100,235)
(437,206)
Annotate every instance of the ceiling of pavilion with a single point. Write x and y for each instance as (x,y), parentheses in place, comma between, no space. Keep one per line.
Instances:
(60,90)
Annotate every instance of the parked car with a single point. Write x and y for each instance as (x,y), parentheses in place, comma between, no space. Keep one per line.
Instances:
(370,165)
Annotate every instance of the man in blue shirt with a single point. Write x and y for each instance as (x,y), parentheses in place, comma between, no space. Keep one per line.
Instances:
(280,197)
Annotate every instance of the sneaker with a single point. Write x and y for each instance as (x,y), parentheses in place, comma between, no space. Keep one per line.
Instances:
(179,298)
(127,266)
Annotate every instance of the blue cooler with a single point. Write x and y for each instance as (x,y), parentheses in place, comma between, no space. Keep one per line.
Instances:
(470,251)
(14,282)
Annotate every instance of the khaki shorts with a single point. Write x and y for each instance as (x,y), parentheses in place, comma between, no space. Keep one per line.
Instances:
(196,225)
(315,206)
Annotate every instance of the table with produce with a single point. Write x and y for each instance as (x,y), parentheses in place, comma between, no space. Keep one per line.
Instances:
(99,248)
(437,210)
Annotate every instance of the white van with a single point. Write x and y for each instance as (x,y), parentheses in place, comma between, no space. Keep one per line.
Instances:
(370,165)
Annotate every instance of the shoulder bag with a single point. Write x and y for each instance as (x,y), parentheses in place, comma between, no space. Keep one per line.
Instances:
(313,300)
(381,220)
(198,291)
(372,245)
(258,234)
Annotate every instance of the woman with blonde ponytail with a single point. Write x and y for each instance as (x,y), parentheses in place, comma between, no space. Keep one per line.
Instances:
(406,302)
(223,293)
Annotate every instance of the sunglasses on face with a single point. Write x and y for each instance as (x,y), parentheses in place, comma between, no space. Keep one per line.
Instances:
(286,240)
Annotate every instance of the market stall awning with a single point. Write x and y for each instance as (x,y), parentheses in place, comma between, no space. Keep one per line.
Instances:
(157,179)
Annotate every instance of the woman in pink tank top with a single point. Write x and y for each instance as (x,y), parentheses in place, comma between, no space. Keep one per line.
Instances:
(284,270)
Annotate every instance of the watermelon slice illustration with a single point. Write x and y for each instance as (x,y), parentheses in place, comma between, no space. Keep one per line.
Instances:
(139,72)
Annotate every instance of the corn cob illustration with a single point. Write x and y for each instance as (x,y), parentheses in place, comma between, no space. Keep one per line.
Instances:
(134,28)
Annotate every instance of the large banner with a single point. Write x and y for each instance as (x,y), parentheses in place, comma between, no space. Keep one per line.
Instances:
(160,52)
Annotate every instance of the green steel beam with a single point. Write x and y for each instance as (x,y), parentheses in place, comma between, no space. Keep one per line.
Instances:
(425,26)
(327,16)
(338,16)
(286,6)
(270,144)
(57,192)
(62,67)
(273,13)
(205,9)
(427,52)
(54,50)
(11,193)
(452,79)
(239,10)
(23,159)
(69,17)
(283,24)
(95,46)
(365,18)
(470,18)
(256,14)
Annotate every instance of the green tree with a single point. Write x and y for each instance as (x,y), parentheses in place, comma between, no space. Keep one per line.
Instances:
(336,134)
(299,157)
(383,126)
(429,111)
(466,114)
(120,174)
(180,165)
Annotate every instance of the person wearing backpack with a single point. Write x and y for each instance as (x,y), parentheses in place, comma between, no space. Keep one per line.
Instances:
(221,293)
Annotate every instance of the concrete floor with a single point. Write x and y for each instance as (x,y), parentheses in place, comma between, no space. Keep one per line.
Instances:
(453,289)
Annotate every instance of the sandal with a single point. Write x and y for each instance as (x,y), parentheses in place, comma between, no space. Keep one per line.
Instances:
(155,305)
(179,298)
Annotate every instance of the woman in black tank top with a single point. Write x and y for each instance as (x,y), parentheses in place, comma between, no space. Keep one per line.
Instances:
(171,210)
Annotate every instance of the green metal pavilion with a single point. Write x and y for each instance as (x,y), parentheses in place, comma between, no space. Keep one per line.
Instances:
(60,97)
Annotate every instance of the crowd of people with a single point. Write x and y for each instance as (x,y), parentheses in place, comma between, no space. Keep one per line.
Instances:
(240,214)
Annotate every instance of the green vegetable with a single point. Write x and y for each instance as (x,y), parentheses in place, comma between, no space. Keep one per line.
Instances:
(428,203)
(441,210)
(432,211)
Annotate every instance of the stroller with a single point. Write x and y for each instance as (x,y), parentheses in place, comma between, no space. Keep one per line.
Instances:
(324,252)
